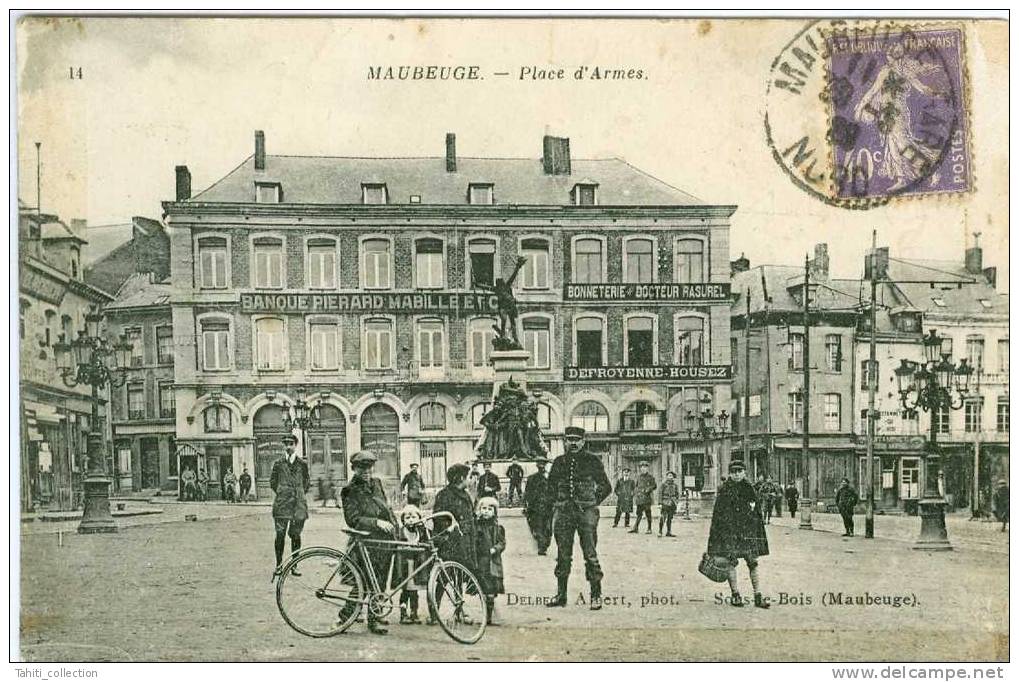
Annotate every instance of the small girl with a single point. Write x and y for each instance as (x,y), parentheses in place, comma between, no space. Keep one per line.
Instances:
(490,541)
(413,530)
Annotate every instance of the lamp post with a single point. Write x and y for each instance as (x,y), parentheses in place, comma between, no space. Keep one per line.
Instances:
(301,415)
(708,425)
(93,360)
(934,385)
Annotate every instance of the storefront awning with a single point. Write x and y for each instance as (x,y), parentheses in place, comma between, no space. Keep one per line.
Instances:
(44,414)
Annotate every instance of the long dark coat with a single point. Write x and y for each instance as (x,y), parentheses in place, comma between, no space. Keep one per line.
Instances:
(451,548)
(846,499)
(490,535)
(290,481)
(364,502)
(645,490)
(1001,503)
(737,527)
(536,494)
(624,494)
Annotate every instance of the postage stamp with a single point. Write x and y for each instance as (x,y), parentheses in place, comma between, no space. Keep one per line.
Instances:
(898,122)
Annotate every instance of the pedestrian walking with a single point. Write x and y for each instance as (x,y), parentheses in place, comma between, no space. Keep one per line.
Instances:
(792,499)
(489,544)
(455,499)
(624,490)
(668,498)
(290,482)
(776,497)
(414,486)
(365,508)
(845,500)
(189,480)
(488,483)
(229,486)
(643,496)
(203,485)
(1000,502)
(763,490)
(245,481)
(515,473)
(579,484)
(537,506)
(323,490)
(737,532)
(412,530)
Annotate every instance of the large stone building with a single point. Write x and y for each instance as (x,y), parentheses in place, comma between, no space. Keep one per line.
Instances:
(362,282)
(53,299)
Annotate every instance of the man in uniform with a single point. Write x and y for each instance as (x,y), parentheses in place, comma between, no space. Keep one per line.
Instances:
(515,473)
(290,481)
(365,508)
(488,484)
(414,486)
(577,485)
(643,496)
(536,502)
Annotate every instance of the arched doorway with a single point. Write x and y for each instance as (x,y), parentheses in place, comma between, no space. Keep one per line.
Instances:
(380,433)
(327,447)
(268,430)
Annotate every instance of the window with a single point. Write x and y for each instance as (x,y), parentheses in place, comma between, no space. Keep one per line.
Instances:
(832,412)
(689,261)
(941,420)
(833,352)
(215,344)
(75,257)
(374,193)
(477,412)
(23,307)
(134,337)
(270,344)
(537,341)
(795,351)
(1002,422)
(640,341)
(433,463)
(428,265)
(268,255)
(377,264)
(212,258)
(481,193)
(482,336)
(588,261)
(585,194)
(217,419)
(164,345)
(974,413)
(324,339)
(321,263)
(1003,356)
(591,416)
(136,401)
(378,343)
(167,404)
(907,322)
(869,375)
(796,411)
(975,352)
(690,341)
(544,416)
(268,193)
(534,274)
(588,345)
(642,416)
(431,344)
(432,417)
(481,253)
(47,333)
(67,328)
(638,261)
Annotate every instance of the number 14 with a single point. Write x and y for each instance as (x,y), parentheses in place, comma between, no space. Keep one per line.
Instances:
(74,72)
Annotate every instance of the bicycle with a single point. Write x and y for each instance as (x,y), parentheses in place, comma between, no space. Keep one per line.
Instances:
(321,591)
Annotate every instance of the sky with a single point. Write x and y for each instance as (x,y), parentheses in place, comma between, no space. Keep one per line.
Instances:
(159,92)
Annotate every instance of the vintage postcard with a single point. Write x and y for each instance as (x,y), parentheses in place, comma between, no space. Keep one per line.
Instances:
(511,339)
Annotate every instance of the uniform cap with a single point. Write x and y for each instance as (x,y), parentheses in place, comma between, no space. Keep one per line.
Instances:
(737,466)
(574,431)
(289,438)
(363,457)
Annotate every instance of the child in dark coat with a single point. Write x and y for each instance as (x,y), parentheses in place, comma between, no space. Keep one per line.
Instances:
(490,541)
(412,530)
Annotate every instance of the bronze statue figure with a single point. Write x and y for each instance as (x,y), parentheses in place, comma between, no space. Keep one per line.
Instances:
(506,330)
(511,427)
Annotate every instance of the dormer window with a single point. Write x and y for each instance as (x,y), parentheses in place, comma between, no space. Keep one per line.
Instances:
(374,193)
(481,193)
(268,193)
(585,194)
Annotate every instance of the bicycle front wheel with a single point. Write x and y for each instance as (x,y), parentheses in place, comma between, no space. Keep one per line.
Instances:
(456,600)
(320,592)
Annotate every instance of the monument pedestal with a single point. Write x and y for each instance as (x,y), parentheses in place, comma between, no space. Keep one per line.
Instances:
(510,364)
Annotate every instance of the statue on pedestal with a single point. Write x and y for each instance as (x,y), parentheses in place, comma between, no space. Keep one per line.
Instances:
(506,330)
(511,427)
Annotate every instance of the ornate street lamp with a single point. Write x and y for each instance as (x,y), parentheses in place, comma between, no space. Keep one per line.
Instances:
(934,385)
(303,415)
(93,360)
(704,427)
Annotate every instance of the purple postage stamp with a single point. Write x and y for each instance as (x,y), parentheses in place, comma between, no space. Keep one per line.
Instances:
(898,119)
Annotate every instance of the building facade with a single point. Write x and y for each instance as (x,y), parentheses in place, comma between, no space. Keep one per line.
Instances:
(367,284)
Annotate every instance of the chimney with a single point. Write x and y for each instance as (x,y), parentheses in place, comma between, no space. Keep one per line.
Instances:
(991,275)
(879,261)
(974,260)
(450,152)
(741,264)
(183,183)
(259,150)
(556,155)
(79,226)
(819,266)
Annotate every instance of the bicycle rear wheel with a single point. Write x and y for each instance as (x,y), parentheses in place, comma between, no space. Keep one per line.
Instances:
(456,600)
(320,592)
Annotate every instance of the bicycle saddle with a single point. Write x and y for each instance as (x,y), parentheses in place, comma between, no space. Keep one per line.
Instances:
(354,531)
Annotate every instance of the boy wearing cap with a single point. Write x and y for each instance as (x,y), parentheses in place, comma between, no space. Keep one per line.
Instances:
(577,484)
(737,531)
(290,482)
